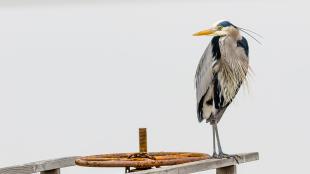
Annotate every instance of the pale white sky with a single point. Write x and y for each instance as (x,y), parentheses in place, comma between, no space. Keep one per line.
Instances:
(81,78)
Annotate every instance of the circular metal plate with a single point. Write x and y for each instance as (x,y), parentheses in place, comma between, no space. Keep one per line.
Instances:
(148,160)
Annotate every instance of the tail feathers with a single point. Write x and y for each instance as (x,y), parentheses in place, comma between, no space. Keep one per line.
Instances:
(220,114)
(204,109)
(199,109)
(199,114)
(207,111)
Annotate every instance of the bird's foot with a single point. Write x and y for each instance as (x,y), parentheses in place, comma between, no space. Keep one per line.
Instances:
(224,155)
(214,156)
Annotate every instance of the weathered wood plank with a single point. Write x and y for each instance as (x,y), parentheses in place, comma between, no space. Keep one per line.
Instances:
(203,165)
(40,166)
(227,170)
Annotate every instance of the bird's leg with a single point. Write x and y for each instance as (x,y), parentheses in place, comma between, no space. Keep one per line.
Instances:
(218,138)
(221,153)
(215,155)
(212,121)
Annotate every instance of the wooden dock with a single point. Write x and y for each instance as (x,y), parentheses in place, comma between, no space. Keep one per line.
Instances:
(53,166)
(222,166)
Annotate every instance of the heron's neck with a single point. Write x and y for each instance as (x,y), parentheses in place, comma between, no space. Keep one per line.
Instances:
(235,34)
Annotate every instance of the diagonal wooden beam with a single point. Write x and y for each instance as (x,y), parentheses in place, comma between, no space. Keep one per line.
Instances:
(40,166)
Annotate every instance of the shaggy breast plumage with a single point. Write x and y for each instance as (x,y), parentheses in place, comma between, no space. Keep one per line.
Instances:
(231,68)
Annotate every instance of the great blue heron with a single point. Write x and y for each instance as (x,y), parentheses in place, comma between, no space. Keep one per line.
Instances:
(221,71)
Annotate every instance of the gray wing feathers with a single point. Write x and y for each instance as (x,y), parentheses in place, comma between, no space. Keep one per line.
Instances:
(204,74)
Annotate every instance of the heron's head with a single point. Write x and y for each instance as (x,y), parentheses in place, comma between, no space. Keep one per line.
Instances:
(221,28)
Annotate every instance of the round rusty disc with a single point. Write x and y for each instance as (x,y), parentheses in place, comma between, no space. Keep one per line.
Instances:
(152,159)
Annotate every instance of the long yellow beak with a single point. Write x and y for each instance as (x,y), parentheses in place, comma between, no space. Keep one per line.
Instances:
(205,32)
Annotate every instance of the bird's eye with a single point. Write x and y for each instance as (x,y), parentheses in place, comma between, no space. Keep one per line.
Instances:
(220,27)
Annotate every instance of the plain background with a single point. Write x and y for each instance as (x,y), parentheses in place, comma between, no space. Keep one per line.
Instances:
(80,78)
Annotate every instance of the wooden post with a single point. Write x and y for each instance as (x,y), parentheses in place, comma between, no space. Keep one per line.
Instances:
(142,140)
(54,171)
(227,170)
